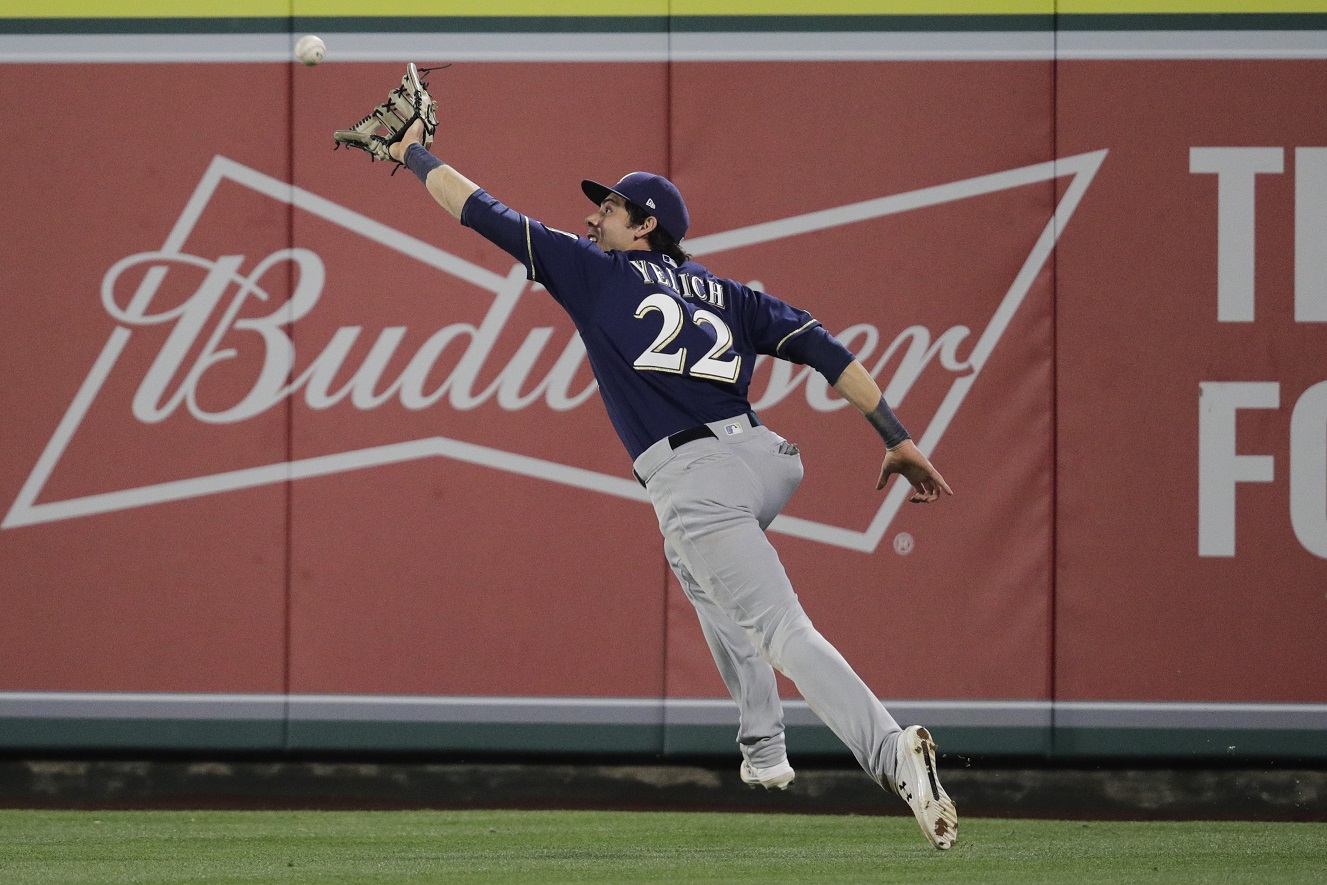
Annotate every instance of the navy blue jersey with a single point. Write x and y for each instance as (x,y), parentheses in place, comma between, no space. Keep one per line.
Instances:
(671,347)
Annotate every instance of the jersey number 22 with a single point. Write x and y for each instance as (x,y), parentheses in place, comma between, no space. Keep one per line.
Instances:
(657,358)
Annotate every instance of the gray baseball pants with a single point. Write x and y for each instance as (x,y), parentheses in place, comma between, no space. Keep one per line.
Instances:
(714,498)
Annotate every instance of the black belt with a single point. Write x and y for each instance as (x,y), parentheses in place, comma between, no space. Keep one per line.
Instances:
(703,431)
(691,434)
(682,437)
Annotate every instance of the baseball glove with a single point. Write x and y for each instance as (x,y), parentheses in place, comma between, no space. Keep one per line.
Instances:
(387,123)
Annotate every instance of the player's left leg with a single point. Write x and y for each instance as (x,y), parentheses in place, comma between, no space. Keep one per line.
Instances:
(713,500)
(750,681)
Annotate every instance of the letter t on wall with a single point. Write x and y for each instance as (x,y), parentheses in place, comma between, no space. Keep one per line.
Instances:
(1236,169)
(1311,235)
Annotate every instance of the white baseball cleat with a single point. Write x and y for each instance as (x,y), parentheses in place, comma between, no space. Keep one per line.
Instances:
(776,777)
(917,783)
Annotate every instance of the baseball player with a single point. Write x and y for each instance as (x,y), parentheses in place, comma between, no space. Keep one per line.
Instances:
(672,347)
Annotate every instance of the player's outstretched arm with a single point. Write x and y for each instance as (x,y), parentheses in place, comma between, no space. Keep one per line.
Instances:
(902,457)
(450,188)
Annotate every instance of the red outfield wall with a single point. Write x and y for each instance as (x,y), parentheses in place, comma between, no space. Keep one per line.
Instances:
(318,444)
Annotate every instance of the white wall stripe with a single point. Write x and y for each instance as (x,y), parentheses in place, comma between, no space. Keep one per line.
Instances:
(644,711)
(679,46)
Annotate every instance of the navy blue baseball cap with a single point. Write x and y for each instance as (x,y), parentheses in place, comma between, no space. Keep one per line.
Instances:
(655,194)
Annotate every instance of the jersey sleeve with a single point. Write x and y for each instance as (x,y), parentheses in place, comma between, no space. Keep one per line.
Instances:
(779,329)
(563,263)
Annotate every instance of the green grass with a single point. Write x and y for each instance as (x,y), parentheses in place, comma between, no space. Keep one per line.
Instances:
(566,846)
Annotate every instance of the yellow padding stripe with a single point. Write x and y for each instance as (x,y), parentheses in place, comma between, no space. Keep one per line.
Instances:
(1142,7)
(654,8)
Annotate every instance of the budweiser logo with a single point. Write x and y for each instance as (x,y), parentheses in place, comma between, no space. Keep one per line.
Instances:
(198,329)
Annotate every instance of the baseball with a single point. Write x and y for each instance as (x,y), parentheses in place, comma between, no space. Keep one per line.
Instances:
(310,49)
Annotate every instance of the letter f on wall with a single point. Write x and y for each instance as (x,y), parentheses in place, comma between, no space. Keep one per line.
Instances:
(1220,467)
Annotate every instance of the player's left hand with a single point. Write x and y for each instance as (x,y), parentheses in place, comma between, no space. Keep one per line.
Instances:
(908,462)
(408,108)
(413,135)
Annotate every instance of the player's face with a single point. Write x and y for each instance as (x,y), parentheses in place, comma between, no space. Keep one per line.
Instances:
(610,226)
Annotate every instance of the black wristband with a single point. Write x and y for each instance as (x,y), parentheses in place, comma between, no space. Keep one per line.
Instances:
(887,424)
(420,162)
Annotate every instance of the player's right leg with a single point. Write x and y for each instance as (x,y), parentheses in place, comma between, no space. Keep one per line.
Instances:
(750,681)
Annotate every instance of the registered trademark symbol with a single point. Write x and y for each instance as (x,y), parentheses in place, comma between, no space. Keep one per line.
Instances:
(903,543)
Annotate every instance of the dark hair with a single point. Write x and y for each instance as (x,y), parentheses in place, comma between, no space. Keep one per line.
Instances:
(659,239)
